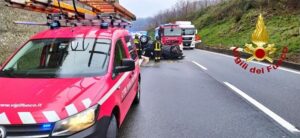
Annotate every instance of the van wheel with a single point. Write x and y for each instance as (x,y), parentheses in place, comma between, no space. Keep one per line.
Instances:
(138,94)
(112,130)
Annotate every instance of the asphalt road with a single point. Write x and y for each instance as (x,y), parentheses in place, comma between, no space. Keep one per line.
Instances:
(188,98)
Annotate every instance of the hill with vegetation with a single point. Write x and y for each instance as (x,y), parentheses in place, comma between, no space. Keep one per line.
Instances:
(231,23)
(227,23)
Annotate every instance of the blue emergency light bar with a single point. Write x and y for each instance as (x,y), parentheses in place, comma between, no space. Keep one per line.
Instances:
(46,127)
(104,25)
(54,25)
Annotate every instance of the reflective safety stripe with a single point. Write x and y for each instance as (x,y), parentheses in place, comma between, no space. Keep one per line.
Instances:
(87,102)
(71,109)
(114,88)
(51,116)
(26,118)
(136,41)
(157,46)
(3,119)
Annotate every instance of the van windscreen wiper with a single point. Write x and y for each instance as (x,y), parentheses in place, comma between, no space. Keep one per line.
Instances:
(8,72)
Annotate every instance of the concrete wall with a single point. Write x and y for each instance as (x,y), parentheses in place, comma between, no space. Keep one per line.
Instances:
(12,35)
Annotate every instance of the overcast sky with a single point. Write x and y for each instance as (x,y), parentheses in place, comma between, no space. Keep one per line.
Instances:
(147,8)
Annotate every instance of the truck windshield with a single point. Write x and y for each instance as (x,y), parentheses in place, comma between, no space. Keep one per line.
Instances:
(56,58)
(172,32)
(189,31)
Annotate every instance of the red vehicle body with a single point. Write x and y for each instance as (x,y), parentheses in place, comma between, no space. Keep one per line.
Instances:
(170,34)
(32,104)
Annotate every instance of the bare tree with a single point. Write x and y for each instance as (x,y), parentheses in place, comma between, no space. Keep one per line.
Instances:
(181,11)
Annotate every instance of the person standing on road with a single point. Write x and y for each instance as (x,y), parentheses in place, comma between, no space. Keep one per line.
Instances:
(147,53)
(157,49)
(138,45)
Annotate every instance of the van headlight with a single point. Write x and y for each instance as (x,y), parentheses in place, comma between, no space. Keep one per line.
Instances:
(75,123)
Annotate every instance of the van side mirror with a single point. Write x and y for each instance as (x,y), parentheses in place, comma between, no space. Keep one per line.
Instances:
(127,65)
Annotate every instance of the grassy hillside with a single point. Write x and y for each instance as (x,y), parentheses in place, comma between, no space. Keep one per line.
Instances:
(231,24)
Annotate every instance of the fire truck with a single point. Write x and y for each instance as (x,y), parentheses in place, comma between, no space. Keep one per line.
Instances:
(77,79)
(170,36)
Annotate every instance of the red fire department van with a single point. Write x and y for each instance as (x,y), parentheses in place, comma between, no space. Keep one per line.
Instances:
(77,79)
(69,82)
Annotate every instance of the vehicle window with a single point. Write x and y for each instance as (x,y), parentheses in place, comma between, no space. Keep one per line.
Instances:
(131,47)
(172,32)
(74,57)
(189,31)
(119,55)
(33,56)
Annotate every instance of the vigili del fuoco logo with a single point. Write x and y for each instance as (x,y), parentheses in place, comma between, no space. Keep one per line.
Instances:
(260,50)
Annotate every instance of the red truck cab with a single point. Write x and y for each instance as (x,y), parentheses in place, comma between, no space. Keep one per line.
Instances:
(171,39)
(69,82)
(170,34)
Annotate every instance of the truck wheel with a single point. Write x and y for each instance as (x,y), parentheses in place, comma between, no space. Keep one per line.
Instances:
(112,129)
(138,94)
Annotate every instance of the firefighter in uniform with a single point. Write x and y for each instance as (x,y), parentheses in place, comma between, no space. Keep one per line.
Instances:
(157,49)
(138,45)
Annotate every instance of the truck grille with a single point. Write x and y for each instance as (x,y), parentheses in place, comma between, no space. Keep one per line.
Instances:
(188,38)
(187,43)
(172,42)
(30,131)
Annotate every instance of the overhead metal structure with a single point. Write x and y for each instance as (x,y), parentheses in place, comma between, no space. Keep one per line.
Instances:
(82,7)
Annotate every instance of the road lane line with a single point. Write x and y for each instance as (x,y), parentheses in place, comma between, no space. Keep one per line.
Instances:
(261,63)
(264,109)
(204,68)
(281,68)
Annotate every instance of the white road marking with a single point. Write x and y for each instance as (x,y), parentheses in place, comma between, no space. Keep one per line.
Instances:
(26,118)
(264,109)
(281,68)
(217,53)
(51,116)
(261,63)
(71,109)
(204,68)
(114,88)
(3,119)
(87,102)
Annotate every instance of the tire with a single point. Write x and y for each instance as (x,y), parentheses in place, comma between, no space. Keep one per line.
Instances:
(138,94)
(112,130)
(181,57)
